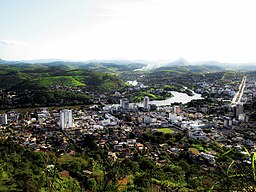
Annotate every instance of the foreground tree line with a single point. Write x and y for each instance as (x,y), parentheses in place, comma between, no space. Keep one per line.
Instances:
(24,170)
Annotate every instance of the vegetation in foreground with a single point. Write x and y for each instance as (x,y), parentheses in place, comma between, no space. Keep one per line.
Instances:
(24,170)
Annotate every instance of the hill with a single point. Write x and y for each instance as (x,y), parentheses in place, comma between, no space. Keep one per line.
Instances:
(41,85)
(58,80)
(111,66)
(190,68)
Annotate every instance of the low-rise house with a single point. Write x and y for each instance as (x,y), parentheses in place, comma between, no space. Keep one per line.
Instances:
(197,134)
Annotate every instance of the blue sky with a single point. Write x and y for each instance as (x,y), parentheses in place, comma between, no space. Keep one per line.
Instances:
(221,30)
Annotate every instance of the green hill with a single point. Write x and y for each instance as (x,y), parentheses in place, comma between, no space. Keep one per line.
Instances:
(43,85)
(13,78)
(189,68)
(58,80)
(112,67)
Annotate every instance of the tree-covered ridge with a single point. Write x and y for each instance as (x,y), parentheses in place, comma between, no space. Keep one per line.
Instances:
(12,77)
(189,68)
(31,85)
(58,80)
(98,66)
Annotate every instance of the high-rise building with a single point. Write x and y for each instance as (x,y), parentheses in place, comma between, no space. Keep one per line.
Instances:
(227,122)
(238,109)
(124,103)
(3,119)
(146,102)
(66,120)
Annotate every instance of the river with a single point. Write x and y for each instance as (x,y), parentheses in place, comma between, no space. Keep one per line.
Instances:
(177,98)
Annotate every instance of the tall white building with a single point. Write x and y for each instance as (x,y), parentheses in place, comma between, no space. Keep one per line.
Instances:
(146,102)
(3,119)
(66,120)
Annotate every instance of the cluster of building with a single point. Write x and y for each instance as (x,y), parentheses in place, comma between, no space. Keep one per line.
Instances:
(119,128)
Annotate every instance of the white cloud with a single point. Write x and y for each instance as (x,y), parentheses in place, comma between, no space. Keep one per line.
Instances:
(11,42)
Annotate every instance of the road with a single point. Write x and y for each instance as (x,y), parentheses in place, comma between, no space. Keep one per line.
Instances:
(223,76)
(237,98)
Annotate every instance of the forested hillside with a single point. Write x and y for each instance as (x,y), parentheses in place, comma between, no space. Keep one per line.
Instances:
(33,85)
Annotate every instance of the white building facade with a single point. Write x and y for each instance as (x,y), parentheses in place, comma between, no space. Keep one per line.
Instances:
(66,120)
(146,102)
(3,119)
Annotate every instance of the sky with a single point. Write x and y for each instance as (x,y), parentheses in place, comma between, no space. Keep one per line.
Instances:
(197,30)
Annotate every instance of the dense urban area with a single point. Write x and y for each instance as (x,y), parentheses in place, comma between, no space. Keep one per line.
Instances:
(107,128)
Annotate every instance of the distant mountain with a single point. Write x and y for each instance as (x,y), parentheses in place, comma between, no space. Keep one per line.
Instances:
(209,63)
(183,65)
(5,62)
(179,62)
(248,67)
(120,65)
(2,62)
(53,60)
(112,67)
(117,61)
(99,66)
(33,61)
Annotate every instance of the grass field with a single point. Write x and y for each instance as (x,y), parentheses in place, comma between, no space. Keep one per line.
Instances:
(59,80)
(165,130)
